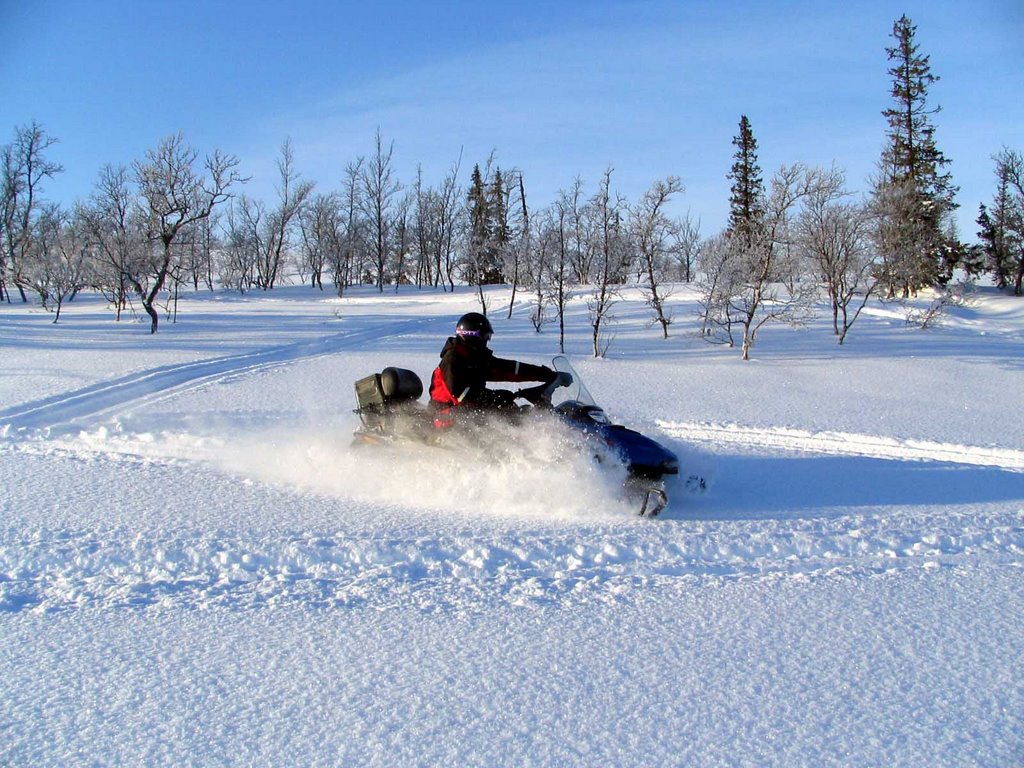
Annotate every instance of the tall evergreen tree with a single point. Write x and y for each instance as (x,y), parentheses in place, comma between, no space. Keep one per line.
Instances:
(993,236)
(914,192)
(1002,225)
(478,224)
(746,198)
(488,226)
(497,208)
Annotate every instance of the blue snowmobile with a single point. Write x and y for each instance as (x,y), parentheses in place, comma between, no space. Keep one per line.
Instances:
(390,411)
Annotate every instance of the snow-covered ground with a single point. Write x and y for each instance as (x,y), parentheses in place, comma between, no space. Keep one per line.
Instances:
(197,568)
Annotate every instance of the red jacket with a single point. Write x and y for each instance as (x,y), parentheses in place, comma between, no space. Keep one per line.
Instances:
(465,369)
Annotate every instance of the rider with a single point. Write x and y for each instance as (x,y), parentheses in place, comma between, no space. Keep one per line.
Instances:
(467,364)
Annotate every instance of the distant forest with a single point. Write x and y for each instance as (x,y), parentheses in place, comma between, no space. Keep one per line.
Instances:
(178,218)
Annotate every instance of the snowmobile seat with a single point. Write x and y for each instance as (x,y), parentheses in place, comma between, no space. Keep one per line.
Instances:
(400,385)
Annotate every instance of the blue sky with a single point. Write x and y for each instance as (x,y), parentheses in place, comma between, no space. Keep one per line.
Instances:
(556,89)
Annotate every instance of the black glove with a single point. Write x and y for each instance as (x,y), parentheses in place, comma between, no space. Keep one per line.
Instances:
(562,379)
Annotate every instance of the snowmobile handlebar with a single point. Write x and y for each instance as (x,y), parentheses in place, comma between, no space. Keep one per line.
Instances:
(538,395)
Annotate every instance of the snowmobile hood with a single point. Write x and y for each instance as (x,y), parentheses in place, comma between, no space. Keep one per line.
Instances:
(645,457)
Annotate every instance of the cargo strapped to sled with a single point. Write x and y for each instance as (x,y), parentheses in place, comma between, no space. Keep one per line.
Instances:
(379,393)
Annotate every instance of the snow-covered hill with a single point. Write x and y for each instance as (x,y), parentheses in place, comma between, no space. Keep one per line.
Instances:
(196,567)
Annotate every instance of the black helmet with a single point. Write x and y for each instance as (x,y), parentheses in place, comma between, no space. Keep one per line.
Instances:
(474,328)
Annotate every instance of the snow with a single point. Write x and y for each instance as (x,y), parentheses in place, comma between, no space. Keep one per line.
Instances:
(196,567)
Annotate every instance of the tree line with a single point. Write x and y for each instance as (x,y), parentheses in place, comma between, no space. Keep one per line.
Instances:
(176,218)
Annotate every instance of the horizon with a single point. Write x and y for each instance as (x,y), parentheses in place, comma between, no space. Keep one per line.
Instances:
(651,89)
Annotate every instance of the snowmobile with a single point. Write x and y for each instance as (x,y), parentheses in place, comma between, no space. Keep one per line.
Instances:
(390,412)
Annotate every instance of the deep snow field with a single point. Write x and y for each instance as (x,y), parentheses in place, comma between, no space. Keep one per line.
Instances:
(196,567)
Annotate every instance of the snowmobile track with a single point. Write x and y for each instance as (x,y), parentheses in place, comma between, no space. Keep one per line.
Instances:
(844,444)
(80,407)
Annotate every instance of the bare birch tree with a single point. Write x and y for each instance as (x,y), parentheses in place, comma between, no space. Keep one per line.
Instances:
(770,291)
(197,255)
(437,221)
(377,200)
(23,169)
(402,239)
(520,242)
(56,269)
(719,281)
(580,243)
(267,231)
(117,233)
(561,271)
(834,235)
(348,266)
(752,284)
(542,274)
(611,255)
(175,194)
(654,234)
(685,250)
(320,234)
(292,196)
(422,214)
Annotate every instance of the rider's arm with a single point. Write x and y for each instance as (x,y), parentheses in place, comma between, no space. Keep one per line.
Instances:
(513,370)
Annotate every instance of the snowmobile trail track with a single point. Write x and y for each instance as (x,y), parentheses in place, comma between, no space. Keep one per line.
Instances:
(78,408)
(844,444)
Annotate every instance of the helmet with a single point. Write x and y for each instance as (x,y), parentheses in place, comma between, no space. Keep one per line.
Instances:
(474,328)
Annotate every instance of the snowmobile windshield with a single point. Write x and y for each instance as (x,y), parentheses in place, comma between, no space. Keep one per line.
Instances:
(575,392)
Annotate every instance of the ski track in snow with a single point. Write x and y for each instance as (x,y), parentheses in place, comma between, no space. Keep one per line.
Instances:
(51,569)
(844,444)
(78,409)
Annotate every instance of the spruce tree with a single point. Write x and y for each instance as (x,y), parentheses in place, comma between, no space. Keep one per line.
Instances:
(479,225)
(914,191)
(1002,225)
(746,198)
(992,235)
(488,226)
(499,229)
